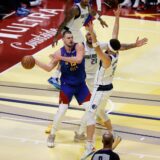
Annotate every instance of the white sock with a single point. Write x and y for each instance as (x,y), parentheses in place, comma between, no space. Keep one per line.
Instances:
(136,3)
(56,73)
(58,117)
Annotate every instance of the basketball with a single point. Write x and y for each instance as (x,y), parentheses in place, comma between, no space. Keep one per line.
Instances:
(28,62)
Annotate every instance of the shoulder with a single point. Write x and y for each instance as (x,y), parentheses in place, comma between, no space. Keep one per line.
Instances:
(79,45)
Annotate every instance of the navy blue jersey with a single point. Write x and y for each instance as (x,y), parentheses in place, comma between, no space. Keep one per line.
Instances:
(105,155)
(72,73)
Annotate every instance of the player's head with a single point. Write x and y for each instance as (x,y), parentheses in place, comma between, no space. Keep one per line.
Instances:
(89,38)
(107,139)
(85,2)
(114,45)
(68,38)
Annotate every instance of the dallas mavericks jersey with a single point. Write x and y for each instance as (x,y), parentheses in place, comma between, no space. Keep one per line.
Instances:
(91,61)
(72,73)
(77,22)
(104,76)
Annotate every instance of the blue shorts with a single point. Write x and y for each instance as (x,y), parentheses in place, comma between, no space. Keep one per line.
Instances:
(81,93)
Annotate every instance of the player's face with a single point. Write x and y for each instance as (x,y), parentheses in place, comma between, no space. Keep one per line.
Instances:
(68,40)
(85,2)
(89,38)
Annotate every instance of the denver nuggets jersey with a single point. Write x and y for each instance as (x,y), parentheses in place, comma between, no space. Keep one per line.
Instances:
(72,73)
(77,22)
(104,76)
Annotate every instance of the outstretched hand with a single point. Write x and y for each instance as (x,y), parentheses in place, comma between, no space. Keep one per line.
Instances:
(103,23)
(117,11)
(141,42)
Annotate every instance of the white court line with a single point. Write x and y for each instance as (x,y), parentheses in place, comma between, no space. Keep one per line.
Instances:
(35,121)
(137,81)
(36,141)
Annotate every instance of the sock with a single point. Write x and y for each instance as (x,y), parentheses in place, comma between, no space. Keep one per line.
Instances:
(58,117)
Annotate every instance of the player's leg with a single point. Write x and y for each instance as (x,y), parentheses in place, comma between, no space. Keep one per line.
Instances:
(65,97)
(83,96)
(103,115)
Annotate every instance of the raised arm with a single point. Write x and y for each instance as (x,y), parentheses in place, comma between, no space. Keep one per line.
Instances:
(116,23)
(71,14)
(77,59)
(47,67)
(103,57)
(138,43)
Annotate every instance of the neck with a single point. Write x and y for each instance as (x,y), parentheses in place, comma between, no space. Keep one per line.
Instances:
(89,44)
(107,147)
(67,48)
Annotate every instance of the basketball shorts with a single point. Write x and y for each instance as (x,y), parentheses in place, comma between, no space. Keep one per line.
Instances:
(81,93)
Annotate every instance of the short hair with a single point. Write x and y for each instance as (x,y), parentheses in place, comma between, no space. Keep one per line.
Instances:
(66,32)
(115,44)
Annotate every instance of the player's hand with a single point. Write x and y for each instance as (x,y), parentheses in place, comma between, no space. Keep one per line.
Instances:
(103,23)
(118,11)
(55,41)
(141,42)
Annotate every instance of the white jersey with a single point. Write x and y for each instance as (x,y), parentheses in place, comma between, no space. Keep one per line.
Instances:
(77,22)
(91,62)
(105,76)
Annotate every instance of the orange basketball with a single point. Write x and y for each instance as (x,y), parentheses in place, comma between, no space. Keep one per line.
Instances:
(28,62)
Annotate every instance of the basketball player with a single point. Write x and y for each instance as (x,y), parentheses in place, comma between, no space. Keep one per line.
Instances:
(106,152)
(91,65)
(76,17)
(71,60)
(103,84)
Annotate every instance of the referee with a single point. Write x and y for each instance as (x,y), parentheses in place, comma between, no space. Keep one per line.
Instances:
(106,152)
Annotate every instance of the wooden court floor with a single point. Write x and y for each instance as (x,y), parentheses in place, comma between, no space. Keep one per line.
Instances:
(28,103)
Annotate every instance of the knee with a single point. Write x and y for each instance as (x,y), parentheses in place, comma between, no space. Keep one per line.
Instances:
(90,119)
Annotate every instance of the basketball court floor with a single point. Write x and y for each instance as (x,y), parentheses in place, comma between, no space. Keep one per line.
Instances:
(28,103)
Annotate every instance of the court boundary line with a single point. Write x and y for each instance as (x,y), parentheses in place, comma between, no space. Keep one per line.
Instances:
(131,133)
(51,90)
(79,109)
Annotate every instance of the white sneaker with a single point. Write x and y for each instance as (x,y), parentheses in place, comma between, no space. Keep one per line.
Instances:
(126,4)
(89,151)
(35,3)
(50,140)
(79,137)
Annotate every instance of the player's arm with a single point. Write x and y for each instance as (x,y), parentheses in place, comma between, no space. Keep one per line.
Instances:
(71,14)
(103,57)
(138,43)
(77,59)
(99,6)
(115,31)
(98,17)
(47,67)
